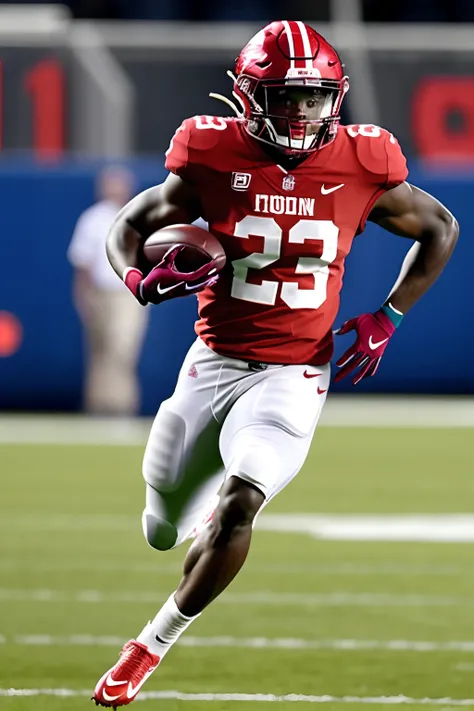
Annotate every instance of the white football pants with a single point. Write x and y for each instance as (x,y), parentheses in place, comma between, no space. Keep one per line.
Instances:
(225,419)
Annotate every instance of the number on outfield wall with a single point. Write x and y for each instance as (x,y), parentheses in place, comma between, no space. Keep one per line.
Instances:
(266,292)
(45,85)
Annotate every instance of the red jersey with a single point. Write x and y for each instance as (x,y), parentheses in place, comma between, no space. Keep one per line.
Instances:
(286,233)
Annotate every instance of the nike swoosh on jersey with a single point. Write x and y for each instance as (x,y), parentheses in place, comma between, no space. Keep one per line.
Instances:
(133,690)
(164,290)
(373,345)
(327,191)
(311,375)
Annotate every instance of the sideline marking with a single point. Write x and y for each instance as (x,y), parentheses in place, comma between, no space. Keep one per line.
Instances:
(324,699)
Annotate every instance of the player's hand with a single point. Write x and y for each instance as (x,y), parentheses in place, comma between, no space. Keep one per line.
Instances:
(166,282)
(373,333)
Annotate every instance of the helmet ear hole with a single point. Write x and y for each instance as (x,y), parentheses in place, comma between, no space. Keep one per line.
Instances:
(263,65)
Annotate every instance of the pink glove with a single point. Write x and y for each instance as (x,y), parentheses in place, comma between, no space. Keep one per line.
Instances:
(166,282)
(373,334)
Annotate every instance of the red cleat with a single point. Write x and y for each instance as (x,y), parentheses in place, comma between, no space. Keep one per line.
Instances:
(120,684)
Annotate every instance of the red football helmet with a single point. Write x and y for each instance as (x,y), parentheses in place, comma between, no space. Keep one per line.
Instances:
(283,57)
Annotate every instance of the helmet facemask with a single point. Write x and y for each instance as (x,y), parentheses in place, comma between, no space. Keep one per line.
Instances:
(295,116)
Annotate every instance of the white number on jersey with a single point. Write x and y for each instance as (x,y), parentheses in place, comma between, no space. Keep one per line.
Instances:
(291,294)
(215,122)
(367,129)
(364,129)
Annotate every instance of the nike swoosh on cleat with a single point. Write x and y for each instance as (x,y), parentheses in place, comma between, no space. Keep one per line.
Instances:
(110,681)
(327,191)
(373,345)
(164,290)
(133,690)
(110,698)
(311,375)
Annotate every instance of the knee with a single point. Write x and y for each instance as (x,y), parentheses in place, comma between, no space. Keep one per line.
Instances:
(255,461)
(239,503)
(159,533)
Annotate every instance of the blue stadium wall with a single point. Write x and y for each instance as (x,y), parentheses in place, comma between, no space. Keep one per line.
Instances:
(430,353)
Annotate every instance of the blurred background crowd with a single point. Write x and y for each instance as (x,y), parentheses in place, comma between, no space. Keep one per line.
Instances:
(264,10)
(87,110)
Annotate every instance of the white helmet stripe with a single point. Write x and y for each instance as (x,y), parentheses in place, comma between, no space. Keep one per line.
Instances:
(290,43)
(306,44)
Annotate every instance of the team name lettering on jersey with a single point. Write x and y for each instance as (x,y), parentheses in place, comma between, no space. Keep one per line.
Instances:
(284,205)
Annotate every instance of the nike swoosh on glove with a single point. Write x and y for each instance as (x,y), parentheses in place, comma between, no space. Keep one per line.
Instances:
(166,282)
(373,332)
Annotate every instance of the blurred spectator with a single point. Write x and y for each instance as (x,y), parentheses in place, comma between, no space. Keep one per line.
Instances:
(114,323)
(245,10)
(263,10)
(419,11)
(212,10)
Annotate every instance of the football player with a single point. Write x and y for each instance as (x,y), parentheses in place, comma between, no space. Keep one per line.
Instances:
(285,188)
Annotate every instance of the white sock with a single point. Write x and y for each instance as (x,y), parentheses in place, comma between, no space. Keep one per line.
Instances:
(161,633)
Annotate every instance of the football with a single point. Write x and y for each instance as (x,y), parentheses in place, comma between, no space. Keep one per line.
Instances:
(200,246)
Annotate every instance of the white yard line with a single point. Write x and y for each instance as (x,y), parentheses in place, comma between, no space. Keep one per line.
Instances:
(287,643)
(339,411)
(424,527)
(290,569)
(179,696)
(259,597)
(72,429)
(434,528)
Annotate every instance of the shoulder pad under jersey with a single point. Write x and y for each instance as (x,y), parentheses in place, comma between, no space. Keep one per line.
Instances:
(194,142)
(379,153)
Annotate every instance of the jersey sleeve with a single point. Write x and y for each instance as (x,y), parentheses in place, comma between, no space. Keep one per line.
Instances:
(177,155)
(382,158)
(197,146)
(397,171)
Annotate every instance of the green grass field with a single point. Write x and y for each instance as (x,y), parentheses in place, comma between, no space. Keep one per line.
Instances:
(304,617)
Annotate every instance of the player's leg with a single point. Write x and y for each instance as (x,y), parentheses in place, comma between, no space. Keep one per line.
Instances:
(264,442)
(183,470)
(182,465)
(220,551)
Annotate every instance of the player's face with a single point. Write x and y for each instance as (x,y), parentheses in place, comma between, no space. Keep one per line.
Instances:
(296,105)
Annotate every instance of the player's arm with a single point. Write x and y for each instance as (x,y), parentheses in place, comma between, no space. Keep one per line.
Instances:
(409,212)
(174,201)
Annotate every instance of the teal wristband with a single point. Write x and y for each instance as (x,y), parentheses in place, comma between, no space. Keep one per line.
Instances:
(395,316)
